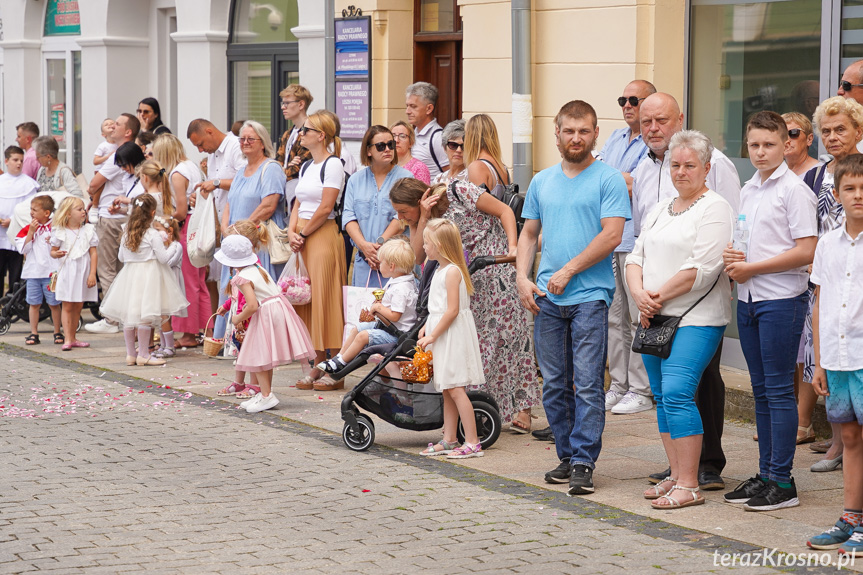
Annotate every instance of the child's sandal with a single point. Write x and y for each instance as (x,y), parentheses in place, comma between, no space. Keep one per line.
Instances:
(232,389)
(249,392)
(445,448)
(32,339)
(465,451)
(59,339)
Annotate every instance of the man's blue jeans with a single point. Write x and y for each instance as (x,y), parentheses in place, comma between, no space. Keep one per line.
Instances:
(770,336)
(571,346)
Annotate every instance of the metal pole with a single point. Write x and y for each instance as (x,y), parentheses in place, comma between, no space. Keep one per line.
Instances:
(522,103)
(330,53)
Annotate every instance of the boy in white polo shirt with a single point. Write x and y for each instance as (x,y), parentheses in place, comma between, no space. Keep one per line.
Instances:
(838,334)
(33,241)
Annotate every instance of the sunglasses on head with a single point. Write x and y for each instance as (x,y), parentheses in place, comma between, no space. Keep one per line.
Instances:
(633,101)
(794,133)
(454,146)
(381,146)
(846,85)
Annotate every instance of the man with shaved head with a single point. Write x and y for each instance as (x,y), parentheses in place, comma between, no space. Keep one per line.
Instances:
(629,391)
(224,158)
(651,184)
(851,86)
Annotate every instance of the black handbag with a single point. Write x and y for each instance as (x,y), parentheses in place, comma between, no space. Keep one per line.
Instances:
(657,338)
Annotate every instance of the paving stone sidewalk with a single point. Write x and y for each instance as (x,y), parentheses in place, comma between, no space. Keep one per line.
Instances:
(106,473)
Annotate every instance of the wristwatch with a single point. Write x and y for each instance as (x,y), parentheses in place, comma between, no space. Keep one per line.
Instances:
(380,240)
(217,182)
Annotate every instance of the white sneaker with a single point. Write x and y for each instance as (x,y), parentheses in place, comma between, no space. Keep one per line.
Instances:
(93,216)
(632,403)
(102,326)
(251,400)
(612,398)
(263,403)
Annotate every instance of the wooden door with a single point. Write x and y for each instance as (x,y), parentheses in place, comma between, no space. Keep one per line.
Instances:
(438,53)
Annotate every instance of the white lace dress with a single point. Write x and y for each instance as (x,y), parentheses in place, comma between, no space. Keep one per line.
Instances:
(455,354)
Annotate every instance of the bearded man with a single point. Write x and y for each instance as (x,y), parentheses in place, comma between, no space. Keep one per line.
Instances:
(581,206)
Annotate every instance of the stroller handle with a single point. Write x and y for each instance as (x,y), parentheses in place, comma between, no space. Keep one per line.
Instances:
(483,262)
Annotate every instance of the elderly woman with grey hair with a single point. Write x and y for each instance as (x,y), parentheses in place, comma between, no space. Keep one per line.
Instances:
(677,265)
(453,142)
(54,174)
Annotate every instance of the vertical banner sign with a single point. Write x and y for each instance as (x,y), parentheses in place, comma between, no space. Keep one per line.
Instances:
(62,18)
(353,73)
(58,121)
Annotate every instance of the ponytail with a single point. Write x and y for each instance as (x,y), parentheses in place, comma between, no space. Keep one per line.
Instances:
(337,147)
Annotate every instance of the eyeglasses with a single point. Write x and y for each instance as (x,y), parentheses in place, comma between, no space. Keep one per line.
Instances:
(305,130)
(248,140)
(633,101)
(286,103)
(401,137)
(846,85)
(794,133)
(148,112)
(381,146)
(454,146)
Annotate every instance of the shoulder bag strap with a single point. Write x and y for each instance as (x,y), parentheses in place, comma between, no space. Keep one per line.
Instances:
(498,179)
(431,148)
(704,296)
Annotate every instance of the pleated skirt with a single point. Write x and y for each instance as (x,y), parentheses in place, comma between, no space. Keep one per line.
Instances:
(324,256)
(276,336)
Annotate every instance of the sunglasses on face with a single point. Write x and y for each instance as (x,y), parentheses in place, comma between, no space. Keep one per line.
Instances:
(846,85)
(381,146)
(455,146)
(305,130)
(794,133)
(633,101)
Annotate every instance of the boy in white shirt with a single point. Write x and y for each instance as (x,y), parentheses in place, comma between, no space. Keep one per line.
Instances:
(772,291)
(398,305)
(15,188)
(106,148)
(838,338)
(33,241)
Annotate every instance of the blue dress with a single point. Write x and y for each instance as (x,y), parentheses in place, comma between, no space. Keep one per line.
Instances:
(244,197)
(370,207)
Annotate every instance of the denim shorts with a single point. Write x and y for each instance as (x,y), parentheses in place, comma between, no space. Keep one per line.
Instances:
(38,287)
(845,402)
(376,336)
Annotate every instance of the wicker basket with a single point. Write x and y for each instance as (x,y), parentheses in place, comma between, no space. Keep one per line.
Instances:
(212,347)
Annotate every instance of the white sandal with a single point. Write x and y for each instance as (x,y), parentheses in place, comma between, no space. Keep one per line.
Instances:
(674,503)
(660,491)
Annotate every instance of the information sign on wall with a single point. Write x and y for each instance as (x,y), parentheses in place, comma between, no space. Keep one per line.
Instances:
(62,18)
(353,73)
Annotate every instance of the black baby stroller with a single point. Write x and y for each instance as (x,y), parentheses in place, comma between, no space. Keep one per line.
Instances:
(13,306)
(409,405)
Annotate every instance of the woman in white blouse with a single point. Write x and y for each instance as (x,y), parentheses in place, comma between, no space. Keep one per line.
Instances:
(677,259)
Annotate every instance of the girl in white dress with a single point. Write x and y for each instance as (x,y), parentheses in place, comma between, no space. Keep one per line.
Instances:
(169,231)
(451,332)
(146,289)
(74,243)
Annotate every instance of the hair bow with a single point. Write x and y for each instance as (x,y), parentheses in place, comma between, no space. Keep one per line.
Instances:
(139,203)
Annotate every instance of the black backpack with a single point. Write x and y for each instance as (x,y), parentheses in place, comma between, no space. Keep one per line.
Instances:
(340,201)
(508,195)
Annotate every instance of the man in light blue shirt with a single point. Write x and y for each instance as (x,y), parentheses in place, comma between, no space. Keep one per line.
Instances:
(581,206)
(630,390)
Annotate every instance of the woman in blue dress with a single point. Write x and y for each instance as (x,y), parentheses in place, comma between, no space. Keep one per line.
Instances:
(257,193)
(368,216)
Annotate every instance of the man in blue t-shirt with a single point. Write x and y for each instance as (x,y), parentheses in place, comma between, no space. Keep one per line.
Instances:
(581,206)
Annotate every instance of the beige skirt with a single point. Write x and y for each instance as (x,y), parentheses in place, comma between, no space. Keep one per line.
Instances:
(324,256)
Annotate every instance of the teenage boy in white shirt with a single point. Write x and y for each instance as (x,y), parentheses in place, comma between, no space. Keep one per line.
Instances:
(33,241)
(838,335)
(15,187)
(772,293)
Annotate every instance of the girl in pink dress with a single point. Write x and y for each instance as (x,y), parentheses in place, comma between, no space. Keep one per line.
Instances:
(275,335)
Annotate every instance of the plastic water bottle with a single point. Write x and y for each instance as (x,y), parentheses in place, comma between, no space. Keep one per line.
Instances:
(741,235)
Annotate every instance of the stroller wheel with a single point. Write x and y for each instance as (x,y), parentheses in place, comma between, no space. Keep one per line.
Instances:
(362,440)
(4,326)
(487,423)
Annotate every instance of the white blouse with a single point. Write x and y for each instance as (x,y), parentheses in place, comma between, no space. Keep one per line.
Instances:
(695,240)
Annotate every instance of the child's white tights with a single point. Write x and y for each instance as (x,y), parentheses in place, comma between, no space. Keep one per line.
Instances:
(143,332)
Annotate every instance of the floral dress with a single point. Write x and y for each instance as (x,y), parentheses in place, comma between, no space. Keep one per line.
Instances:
(502,324)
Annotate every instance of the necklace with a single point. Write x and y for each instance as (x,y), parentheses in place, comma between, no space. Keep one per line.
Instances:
(674,214)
